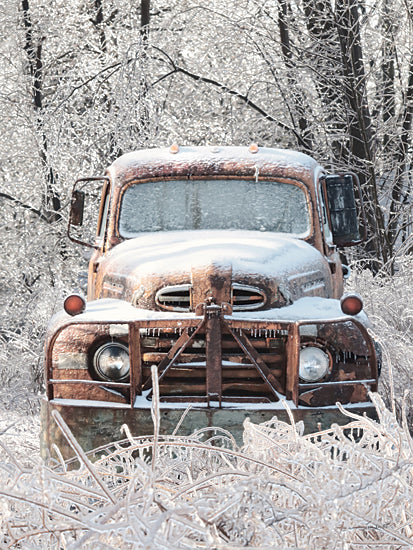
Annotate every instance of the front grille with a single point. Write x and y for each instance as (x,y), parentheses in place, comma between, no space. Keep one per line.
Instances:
(174,298)
(186,379)
(178,298)
(247,297)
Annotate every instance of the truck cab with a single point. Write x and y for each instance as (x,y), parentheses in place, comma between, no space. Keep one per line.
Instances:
(218,265)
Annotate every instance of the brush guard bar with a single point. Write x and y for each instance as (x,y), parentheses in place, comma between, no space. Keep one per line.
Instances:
(212,320)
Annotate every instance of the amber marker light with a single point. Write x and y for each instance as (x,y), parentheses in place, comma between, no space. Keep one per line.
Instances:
(74,304)
(253,148)
(174,148)
(351,304)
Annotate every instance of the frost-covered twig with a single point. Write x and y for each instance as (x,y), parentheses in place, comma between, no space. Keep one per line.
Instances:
(281,490)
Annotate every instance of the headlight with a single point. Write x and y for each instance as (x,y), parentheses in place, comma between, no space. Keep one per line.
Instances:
(111,362)
(314,364)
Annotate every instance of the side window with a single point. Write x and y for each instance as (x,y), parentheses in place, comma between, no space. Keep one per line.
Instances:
(327,230)
(103,217)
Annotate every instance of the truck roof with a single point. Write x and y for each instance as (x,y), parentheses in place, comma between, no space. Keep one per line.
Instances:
(192,161)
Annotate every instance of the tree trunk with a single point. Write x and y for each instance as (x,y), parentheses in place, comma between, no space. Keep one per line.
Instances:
(145,19)
(98,22)
(362,146)
(51,198)
(299,108)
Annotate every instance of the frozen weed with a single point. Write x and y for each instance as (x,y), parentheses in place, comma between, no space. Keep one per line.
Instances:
(389,303)
(279,490)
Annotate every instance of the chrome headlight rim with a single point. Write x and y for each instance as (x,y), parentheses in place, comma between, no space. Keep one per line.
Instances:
(97,367)
(326,362)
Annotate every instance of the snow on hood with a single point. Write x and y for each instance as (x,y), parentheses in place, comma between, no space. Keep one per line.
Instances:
(248,252)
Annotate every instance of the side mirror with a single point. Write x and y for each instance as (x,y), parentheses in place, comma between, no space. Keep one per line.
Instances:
(77,207)
(344,213)
(86,210)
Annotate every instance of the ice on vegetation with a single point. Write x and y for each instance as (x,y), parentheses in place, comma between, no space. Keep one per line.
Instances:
(346,487)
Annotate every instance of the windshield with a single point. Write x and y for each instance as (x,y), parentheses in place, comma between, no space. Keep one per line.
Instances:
(214,204)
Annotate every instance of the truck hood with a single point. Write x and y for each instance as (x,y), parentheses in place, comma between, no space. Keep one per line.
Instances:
(282,268)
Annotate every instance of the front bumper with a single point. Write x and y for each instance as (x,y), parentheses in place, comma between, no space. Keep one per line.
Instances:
(95,424)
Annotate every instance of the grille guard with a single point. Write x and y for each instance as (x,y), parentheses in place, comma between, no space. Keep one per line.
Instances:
(213,319)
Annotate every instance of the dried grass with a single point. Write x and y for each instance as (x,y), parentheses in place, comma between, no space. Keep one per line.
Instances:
(345,488)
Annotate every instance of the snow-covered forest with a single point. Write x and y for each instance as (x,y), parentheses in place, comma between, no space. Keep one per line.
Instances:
(84,81)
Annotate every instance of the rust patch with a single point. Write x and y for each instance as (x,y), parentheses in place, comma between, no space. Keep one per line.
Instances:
(211,283)
(325,395)
(217,281)
(342,375)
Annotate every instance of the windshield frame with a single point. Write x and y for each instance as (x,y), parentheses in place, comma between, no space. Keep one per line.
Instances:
(277,179)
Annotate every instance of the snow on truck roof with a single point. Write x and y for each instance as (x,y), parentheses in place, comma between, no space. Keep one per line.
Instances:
(212,160)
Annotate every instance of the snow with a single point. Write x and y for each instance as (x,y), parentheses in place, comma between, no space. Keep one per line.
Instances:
(119,311)
(141,402)
(198,155)
(90,403)
(248,252)
(305,309)
(318,309)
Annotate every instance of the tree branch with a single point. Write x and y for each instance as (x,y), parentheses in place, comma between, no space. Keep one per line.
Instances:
(31,209)
(230,91)
(85,82)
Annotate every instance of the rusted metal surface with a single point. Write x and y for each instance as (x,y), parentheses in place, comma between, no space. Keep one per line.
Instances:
(258,363)
(205,353)
(208,376)
(293,359)
(199,163)
(135,358)
(174,353)
(95,426)
(213,353)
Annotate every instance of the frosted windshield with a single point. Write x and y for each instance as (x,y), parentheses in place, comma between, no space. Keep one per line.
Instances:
(214,204)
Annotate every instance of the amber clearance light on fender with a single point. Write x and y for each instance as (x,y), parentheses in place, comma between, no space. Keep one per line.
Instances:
(351,304)
(74,304)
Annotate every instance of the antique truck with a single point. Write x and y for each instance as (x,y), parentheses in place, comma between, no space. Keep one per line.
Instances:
(219,265)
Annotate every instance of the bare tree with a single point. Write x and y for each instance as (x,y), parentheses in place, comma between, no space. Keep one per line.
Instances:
(34,50)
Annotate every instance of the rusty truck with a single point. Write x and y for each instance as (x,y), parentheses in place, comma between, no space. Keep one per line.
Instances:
(220,266)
